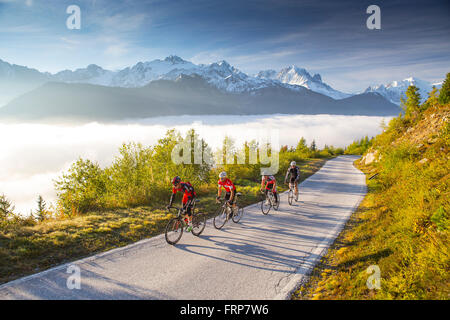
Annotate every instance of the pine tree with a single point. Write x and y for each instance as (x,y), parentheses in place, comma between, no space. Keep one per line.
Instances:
(313,145)
(411,104)
(42,209)
(6,207)
(444,93)
(302,148)
(432,99)
(301,145)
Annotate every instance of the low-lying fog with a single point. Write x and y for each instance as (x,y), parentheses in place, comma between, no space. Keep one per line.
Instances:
(32,155)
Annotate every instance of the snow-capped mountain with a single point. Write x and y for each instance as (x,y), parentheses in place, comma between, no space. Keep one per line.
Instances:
(16,80)
(136,76)
(220,74)
(395,89)
(296,76)
(93,74)
(14,72)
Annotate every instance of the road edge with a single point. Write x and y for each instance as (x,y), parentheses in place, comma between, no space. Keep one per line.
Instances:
(302,273)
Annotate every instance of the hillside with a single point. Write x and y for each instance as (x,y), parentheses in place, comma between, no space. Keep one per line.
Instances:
(402,226)
(187,95)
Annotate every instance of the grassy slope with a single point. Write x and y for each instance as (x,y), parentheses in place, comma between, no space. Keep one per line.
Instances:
(402,226)
(29,249)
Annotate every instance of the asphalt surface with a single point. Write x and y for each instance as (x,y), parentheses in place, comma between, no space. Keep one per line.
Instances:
(261,257)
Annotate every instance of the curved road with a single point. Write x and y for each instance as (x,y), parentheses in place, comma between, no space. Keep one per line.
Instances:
(262,257)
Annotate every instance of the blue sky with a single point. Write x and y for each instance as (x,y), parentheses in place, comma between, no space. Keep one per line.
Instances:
(326,37)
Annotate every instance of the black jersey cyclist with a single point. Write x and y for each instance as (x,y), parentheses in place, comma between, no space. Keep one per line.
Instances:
(293,175)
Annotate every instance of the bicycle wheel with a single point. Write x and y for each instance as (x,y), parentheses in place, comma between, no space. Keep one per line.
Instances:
(290,196)
(276,204)
(238,214)
(198,224)
(266,205)
(174,231)
(220,219)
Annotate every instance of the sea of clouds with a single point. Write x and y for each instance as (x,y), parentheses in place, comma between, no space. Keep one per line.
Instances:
(34,154)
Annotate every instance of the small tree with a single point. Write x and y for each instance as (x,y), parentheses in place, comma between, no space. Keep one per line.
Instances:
(41,212)
(411,104)
(444,93)
(82,188)
(313,146)
(302,148)
(432,99)
(6,208)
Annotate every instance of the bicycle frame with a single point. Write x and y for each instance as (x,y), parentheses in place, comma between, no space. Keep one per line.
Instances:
(181,210)
(270,196)
(231,211)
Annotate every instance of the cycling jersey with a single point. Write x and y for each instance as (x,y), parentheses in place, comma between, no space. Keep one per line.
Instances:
(227,184)
(294,174)
(187,189)
(269,183)
(268,179)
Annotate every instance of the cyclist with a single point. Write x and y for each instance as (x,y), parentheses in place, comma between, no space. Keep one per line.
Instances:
(269,182)
(229,187)
(188,198)
(293,173)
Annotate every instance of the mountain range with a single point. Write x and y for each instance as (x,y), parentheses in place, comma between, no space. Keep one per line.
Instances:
(394,90)
(187,94)
(290,90)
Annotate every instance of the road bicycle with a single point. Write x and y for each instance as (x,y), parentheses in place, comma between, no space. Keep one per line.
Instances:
(269,202)
(226,211)
(175,227)
(291,193)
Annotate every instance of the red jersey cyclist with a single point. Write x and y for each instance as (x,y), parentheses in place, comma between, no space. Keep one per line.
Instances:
(188,198)
(229,187)
(269,182)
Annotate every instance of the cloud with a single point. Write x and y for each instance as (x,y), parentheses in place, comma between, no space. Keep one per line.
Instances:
(123,22)
(116,50)
(35,154)
(25,29)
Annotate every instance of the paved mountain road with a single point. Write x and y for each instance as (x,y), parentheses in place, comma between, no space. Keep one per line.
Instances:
(262,257)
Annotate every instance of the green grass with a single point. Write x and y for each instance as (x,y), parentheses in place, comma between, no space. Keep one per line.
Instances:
(30,247)
(402,225)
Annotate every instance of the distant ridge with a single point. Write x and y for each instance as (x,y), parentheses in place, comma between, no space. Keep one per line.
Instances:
(186,95)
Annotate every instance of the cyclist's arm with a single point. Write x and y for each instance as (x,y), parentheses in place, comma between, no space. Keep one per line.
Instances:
(232,194)
(171,199)
(219,191)
(192,193)
(287,176)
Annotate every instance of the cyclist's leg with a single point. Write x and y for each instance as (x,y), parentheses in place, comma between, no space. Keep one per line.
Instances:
(295,183)
(275,193)
(227,198)
(187,206)
(233,203)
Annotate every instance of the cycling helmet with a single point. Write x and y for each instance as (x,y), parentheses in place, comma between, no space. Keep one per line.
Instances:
(293,163)
(176,180)
(223,174)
